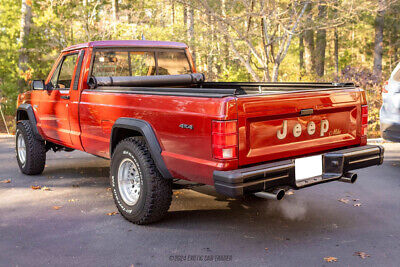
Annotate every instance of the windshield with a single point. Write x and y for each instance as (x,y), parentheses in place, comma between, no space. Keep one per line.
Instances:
(139,63)
(396,73)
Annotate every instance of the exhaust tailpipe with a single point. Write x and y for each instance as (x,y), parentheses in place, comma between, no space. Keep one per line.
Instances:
(276,194)
(349,177)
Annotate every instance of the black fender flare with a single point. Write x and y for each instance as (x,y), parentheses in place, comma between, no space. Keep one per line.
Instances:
(31,116)
(149,135)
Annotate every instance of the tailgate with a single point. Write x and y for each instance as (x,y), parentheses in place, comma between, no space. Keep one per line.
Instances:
(286,125)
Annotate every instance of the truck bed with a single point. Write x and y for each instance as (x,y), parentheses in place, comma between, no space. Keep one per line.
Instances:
(260,109)
(223,89)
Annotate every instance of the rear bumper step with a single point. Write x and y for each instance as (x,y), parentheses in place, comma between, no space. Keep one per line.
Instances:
(266,177)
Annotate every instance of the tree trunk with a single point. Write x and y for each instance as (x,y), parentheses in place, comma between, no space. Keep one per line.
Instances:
(378,47)
(309,43)
(301,53)
(336,51)
(72,34)
(275,71)
(210,75)
(172,12)
(26,21)
(320,44)
(309,50)
(185,15)
(395,42)
(266,47)
(190,31)
(320,52)
(225,44)
(284,46)
(115,10)
(86,23)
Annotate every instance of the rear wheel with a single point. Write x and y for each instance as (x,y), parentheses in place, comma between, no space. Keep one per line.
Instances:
(31,152)
(141,194)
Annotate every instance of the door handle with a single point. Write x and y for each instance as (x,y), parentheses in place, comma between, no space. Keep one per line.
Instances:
(65,97)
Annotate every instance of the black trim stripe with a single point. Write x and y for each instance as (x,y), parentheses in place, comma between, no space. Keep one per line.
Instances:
(78,70)
(143,91)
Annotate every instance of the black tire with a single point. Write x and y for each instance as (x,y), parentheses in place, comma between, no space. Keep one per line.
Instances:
(155,193)
(35,150)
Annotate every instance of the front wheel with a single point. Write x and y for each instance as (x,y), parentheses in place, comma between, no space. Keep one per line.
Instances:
(31,152)
(141,194)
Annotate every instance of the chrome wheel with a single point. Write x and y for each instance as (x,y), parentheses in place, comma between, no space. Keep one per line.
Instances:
(21,149)
(129,181)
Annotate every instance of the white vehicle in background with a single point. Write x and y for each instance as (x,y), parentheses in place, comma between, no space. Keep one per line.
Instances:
(390,110)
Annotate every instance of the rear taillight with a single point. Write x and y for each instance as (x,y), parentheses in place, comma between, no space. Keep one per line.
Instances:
(384,87)
(364,121)
(224,139)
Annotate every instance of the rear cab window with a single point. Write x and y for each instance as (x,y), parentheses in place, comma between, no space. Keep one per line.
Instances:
(123,63)
(172,63)
(135,62)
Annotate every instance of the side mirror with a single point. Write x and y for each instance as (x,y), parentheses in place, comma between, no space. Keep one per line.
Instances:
(38,85)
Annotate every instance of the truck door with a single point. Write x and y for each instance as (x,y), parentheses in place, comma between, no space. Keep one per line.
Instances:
(54,106)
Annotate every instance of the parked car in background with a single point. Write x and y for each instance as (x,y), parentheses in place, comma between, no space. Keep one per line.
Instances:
(390,110)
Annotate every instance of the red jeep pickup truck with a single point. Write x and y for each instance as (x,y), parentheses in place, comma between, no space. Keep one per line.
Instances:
(142,105)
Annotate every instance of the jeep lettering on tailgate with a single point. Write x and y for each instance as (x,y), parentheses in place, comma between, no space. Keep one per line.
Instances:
(311,128)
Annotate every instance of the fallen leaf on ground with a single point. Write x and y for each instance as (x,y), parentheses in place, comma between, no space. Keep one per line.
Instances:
(45,188)
(343,200)
(5,181)
(177,193)
(112,213)
(289,193)
(56,207)
(108,188)
(357,205)
(330,259)
(361,254)
(36,187)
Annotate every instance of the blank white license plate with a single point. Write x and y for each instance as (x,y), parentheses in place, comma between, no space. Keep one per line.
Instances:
(308,167)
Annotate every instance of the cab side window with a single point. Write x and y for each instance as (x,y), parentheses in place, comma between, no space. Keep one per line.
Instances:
(62,76)
(54,78)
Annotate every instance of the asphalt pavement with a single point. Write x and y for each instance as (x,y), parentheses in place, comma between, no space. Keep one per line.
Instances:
(70,221)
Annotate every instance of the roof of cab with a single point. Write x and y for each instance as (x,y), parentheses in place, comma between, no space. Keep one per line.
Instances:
(126,43)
